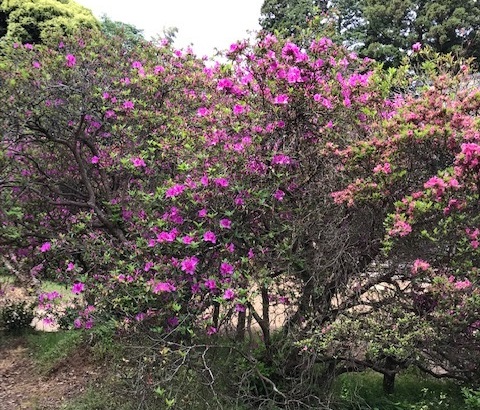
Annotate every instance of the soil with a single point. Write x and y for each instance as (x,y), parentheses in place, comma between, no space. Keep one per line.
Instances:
(22,386)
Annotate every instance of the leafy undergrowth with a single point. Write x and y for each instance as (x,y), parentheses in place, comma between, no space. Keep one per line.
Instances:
(68,370)
(413,391)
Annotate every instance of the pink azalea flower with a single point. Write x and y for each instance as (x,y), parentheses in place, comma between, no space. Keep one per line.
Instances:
(229,294)
(70,266)
(36,64)
(210,284)
(239,109)
(463,284)
(281,99)
(293,75)
(128,105)
(158,69)
(187,239)
(163,287)
(89,323)
(138,162)
(45,247)
(202,213)
(202,112)
(281,159)
(94,160)
(279,195)
(71,60)
(211,330)
(78,288)
(224,83)
(416,47)
(167,236)
(239,201)
(221,182)
(189,265)
(226,269)
(149,265)
(174,191)
(420,265)
(225,223)
(209,236)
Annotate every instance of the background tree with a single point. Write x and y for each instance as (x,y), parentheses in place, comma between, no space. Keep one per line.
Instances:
(288,17)
(383,30)
(390,29)
(34,21)
(128,32)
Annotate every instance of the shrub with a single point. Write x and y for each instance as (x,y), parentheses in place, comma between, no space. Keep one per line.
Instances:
(17,316)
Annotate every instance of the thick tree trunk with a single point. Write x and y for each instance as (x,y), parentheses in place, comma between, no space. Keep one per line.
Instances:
(389,376)
(240,335)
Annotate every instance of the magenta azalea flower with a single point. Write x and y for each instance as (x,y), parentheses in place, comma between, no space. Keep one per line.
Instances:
(209,236)
(225,223)
(174,191)
(94,160)
(187,239)
(78,288)
(222,182)
(163,287)
(202,112)
(189,265)
(210,284)
(202,213)
(229,294)
(239,109)
(416,47)
(279,195)
(281,159)
(226,269)
(45,247)
(138,162)
(128,105)
(281,99)
(71,60)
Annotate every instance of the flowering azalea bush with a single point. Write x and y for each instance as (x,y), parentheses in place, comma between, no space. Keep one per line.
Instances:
(192,200)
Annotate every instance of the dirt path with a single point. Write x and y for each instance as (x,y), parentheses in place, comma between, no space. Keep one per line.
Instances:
(23,387)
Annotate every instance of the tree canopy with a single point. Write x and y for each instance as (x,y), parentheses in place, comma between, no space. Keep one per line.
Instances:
(34,21)
(385,30)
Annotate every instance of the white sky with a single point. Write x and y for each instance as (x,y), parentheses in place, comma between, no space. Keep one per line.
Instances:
(208,24)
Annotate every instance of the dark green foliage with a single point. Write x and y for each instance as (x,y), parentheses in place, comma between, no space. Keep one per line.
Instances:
(288,17)
(391,28)
(384,30)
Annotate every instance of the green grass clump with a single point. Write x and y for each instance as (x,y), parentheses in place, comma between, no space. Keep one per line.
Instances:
(50,349)
(413,391)
(98,399)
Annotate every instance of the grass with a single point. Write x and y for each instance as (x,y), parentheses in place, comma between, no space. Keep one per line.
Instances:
(49,286)
(98,399)
(413,391)
(50,349)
